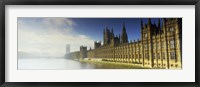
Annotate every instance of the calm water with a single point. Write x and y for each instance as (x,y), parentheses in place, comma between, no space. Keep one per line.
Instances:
(52,63)
(62,64)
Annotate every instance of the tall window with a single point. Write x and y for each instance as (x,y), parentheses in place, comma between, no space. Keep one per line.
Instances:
(136,56)
(158,55)
(145,35)
(171,29)
(146,56)
(171,43)
(172,55)
(162,44)
(154,55)
(163,55)
(154,46)
(145,46)
(158,45)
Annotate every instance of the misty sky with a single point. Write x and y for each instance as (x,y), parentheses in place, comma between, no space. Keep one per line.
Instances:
(49,36)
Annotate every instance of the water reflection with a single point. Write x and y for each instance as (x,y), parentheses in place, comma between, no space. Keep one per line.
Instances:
(60,63)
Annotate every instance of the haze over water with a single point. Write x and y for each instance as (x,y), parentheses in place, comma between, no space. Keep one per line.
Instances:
(60,64)
(51,63)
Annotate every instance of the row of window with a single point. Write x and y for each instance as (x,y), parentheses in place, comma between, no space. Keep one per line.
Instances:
(172,45)
(170,29)
(129,56)
(126,47)
(172,55)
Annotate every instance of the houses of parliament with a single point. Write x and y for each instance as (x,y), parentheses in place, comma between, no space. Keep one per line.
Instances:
(159,46)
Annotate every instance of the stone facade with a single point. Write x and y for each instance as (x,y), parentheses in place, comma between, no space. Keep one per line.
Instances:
(158,47)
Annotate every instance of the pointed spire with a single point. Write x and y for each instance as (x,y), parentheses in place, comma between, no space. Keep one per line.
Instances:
(141,24)
(164,19)
(112,30)
(124,27)
(149,20)
(124,37)
(158,23)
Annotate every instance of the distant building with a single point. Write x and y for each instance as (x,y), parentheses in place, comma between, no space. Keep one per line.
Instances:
(159,46)
(67,54)
(83,52)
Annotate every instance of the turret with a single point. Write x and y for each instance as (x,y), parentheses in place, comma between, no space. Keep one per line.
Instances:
(112,34)
(141,24)
(106,36)
(164,21)
(97,44)
(124,27)
(149,21)
(163,25)
(159,23)
(124,37)
(83,52)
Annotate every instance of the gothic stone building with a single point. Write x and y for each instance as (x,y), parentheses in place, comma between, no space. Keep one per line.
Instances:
(158,47)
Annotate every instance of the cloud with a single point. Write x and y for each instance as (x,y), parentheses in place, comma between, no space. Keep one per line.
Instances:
(49,36)
(58,21)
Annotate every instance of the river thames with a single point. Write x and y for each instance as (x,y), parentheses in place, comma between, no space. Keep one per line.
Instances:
(59,64)
(52,63)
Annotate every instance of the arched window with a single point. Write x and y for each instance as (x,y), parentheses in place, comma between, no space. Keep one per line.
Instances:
(158,45)
(171,29)
(158,55)
(146,56)
(162,44)
(171,43)
(154,55)
(145,35)
(172,55)
(163,55)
